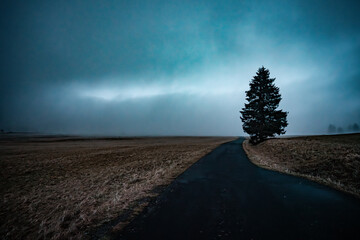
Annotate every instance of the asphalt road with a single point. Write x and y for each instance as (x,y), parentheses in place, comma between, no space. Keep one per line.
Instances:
(225,196)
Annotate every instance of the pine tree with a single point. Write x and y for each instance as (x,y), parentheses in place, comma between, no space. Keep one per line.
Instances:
(340,130)
(355,127)
(331,129)
(259,116)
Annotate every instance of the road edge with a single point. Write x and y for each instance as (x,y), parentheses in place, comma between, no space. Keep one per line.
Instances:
(112,229)
(263,163)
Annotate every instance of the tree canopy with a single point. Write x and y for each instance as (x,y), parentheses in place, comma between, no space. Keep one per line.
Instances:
(260,116)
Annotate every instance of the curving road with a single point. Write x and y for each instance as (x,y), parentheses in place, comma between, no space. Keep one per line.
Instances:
(225,196)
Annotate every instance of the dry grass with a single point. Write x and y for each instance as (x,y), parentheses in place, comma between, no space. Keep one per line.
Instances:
(331,160)
(61,188)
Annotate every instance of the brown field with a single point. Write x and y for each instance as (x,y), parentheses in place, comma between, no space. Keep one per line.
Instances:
(60,188)
(333,160)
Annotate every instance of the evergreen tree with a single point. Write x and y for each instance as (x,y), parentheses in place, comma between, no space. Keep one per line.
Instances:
(331,129)
(355,127)
(340,130)
(259,116)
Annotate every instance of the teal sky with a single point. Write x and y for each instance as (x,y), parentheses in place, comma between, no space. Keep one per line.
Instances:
(175,67)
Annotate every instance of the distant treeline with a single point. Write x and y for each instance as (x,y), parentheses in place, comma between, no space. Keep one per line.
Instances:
(352,128)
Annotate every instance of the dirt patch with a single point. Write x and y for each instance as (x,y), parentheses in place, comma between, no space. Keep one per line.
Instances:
(332,160)
(58,188)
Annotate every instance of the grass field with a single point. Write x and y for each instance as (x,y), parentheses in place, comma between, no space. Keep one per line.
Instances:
(333,160)
(61,187)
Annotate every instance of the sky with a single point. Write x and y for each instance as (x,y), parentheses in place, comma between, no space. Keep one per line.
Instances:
(175,67)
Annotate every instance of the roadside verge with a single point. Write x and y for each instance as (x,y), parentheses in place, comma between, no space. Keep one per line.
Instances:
(315,158)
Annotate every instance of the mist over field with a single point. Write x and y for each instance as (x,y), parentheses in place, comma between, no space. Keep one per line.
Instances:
(175,67)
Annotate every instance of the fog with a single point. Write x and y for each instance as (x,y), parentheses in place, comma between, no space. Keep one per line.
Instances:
(175,67)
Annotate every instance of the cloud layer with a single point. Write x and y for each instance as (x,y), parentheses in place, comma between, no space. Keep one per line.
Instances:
(179,68)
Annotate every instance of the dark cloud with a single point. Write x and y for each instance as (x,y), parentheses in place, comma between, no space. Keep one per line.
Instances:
(174,67)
